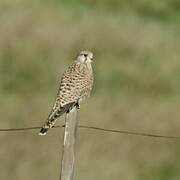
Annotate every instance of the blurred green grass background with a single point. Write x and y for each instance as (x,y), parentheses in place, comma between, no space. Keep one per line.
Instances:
(137,84)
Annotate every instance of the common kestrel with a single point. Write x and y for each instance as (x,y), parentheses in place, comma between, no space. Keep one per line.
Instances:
(76,84)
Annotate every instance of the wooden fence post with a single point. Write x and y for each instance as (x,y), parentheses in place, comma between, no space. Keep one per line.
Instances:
(68,156)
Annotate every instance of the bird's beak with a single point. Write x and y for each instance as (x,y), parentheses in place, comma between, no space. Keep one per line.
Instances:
(89,60)
(92,59)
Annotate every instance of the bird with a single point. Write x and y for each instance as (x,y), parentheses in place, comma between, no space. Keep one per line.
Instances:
(75,85)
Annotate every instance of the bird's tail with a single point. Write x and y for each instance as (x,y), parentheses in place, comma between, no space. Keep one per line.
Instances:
(53,117)
(45,128)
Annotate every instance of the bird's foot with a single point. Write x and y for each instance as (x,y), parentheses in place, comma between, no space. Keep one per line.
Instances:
(77,105)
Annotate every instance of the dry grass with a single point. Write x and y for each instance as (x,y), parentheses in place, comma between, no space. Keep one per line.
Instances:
(136,88)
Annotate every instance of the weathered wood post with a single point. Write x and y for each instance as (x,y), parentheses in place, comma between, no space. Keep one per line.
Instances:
(68,156)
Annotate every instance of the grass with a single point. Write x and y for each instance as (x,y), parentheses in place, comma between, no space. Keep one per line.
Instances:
(136,47)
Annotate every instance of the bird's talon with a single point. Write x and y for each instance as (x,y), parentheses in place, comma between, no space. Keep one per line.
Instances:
(77,105)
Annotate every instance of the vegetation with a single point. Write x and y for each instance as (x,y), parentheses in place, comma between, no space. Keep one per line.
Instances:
(137,86)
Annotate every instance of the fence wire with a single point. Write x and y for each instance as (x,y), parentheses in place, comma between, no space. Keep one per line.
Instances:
(96,129)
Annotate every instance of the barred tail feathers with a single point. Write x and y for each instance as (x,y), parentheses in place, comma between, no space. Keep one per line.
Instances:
(43,131)
(53,116)
(45,128)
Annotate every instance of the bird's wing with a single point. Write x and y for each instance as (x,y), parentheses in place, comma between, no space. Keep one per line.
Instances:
(66,96)
(60,111)
(73,86)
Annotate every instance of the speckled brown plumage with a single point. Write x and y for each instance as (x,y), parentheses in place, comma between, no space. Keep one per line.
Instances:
(76,84)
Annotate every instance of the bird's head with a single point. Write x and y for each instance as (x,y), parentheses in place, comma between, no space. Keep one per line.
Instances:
(85,57)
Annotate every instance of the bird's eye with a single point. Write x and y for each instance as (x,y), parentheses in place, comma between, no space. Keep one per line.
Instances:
(85,55)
